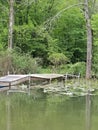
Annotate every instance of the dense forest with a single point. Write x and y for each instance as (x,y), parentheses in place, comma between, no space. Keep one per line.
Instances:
(48,36)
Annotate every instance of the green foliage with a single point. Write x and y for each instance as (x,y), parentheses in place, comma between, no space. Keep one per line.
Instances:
(95,62)
(35,41)
(95,28)
(70,32)
(1,47)
(95,45)
(23,63)
(14,62)
(32,28)
(44,36)
(3,23)
(78,55)
(57,59)
(22,36)
(4,61)
(3,38)
(43,70)
(77,68)
(95,22)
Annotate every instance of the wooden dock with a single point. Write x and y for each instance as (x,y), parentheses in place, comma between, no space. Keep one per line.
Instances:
(10,80)
(46,77)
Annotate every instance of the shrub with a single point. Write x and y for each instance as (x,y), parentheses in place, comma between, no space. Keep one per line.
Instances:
(58,58)
(77,68)
(15,62)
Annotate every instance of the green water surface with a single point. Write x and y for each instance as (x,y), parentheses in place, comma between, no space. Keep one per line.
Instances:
(23,112)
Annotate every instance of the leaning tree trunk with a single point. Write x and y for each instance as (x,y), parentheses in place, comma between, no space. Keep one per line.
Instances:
(89,41)
(11,22)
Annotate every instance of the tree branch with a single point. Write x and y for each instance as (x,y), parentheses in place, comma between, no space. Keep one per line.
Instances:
(49,21)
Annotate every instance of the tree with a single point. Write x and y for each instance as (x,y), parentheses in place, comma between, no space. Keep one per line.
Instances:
(89,41)
(88,13)
(11,22)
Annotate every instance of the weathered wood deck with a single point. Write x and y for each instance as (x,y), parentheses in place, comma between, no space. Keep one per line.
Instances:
(10,80)
(46,76)
(10,83)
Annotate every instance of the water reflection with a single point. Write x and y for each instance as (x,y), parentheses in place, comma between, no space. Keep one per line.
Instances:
(28,113)
(8,115)
(88,111)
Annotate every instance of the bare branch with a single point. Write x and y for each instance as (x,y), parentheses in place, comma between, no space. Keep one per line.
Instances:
(49,21)
(60,12)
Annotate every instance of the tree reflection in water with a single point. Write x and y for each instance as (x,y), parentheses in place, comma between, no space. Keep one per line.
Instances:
(88,111)
(8,111)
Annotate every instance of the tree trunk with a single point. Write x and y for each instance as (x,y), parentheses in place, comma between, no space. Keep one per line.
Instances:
(89,41)
(11,22)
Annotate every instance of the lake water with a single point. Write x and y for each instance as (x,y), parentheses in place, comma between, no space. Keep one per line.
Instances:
(23,112)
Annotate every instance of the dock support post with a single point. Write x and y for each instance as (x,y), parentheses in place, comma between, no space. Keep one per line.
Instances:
(29,85)
(66,79)
(9,85)
(50,80)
